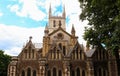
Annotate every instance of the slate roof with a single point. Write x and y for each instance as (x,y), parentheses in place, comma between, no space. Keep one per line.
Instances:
(90,52)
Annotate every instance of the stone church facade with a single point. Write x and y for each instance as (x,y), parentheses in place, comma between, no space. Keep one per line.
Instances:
(61,55)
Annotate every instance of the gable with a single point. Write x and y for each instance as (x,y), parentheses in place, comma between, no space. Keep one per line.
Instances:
(28,52)
(77,52)
(100,54)
(59,29)
(60,34)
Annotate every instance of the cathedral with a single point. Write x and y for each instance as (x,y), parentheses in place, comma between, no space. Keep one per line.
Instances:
(61,55)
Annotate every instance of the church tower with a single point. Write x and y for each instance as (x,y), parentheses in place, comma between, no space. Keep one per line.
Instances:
(56,21)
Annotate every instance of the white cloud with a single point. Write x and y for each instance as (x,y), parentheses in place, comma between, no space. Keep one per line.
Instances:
(14,37)
(1,14)
(30,8)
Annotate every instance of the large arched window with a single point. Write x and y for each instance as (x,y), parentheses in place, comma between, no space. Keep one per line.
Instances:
(60,73)
(28,72)
(73,73)
(49,73)
(83,72)
(23,73)
(104,72)
(95,72)
(54,72)
(64,50)
(78,72)
(99,72)
(34,73)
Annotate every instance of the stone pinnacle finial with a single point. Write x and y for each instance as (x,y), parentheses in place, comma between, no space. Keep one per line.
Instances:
(30,38)
(73,29)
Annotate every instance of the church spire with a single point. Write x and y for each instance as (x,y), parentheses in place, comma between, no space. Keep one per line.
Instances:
(50,13)
(64,13)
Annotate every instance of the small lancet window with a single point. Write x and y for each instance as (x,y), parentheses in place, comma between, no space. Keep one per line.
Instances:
(34,73)
(49,73)
(54,23)
(99,72)
(60,23)
(73,73)
(28,72)
(60,73)
(83,73)
(23,73)
(54,72)
(60,45)
(78,72)
(64,50)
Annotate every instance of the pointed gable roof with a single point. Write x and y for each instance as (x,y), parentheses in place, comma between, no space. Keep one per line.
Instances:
(90,52)
(76,45)
(60,28)
(28,45)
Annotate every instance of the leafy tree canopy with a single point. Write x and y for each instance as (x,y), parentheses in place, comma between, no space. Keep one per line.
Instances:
(4,61)
(104,21)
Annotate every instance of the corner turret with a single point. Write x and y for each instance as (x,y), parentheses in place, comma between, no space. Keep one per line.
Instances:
(46,31)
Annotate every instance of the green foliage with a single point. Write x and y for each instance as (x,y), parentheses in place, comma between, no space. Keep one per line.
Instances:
(4,61)
(104,21)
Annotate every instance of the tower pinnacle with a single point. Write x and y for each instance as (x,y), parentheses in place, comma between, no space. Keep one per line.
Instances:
(64,13)
(50,13)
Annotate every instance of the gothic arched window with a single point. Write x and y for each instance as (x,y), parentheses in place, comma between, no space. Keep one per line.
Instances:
(34,73)
(23,73)
(73,73)
(83,73)
(77,53)
(28,72)
(104,72)
(25,52)
(60,23)
(60,73)
(54,72)
(30,48)
(32,53)
(99,72)
(49,73)
(60,45)
(54,23)
(78,72)
(64,50)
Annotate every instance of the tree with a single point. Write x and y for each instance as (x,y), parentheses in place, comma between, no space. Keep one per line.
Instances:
(104,21)
(4,61)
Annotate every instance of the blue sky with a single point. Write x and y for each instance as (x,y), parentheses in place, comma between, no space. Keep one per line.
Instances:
(9,17)
(20,19)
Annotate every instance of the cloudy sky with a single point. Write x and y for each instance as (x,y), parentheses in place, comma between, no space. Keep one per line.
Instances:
(20,19)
